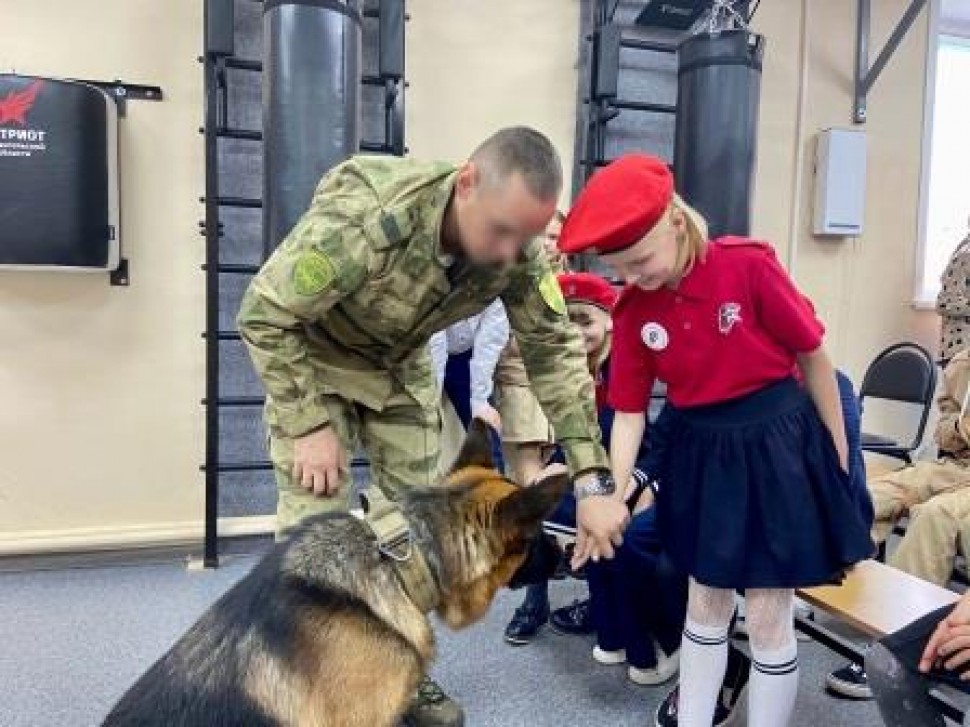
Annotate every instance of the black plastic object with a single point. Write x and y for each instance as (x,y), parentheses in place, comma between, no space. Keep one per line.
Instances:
(719,91)
(58,174)
(390,36)
(672,14)
(606,75)
(220,27)
(311,102)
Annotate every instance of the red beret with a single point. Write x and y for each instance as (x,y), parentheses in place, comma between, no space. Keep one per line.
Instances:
(618,206)
(588,288)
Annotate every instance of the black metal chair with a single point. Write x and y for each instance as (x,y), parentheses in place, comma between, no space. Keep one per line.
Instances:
(904,372)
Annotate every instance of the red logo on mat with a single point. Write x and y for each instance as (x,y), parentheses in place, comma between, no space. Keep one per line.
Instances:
(15,105)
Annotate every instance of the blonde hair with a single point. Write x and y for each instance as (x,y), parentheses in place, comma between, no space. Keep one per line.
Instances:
(694,247)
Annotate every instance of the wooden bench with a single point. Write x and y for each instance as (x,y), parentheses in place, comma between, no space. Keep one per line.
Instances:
(877,600)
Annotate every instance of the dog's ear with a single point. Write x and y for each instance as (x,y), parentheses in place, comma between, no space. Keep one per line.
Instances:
(526,508)
(476,451)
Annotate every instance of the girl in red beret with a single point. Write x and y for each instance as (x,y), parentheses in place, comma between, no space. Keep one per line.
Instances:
(754,492)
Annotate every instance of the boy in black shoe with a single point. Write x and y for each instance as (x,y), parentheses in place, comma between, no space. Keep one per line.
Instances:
(627,620)
(589,300)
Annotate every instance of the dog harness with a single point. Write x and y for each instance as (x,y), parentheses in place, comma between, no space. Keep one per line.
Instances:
(395,543)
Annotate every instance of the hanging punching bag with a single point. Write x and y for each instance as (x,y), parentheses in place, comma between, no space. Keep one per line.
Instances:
(311,102)
(719,90)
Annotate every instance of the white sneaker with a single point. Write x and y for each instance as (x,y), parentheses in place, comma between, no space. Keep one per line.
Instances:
(609,658)
(666,669)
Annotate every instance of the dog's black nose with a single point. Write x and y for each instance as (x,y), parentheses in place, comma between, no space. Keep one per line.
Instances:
(542,560)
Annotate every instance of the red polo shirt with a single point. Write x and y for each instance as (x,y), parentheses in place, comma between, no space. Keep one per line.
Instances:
(733,325)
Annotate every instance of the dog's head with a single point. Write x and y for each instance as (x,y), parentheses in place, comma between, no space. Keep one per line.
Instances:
(486,532)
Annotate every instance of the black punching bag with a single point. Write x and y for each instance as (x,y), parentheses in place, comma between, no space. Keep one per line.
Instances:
(311,103)
(719,90)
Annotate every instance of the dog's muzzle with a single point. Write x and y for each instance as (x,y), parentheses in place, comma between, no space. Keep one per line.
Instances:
(542,559)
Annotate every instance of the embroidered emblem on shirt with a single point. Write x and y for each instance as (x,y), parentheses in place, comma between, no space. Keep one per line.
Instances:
(313,273)
(727,317)
(655,336)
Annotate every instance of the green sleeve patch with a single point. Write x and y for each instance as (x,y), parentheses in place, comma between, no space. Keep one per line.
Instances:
(552,294)
(313,273)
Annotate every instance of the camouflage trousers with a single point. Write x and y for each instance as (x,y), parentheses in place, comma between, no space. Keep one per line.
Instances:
(936,496)
(401,443)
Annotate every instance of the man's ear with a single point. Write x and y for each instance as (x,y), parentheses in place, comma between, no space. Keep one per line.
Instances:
(476,451)
(526,508)
(467,179)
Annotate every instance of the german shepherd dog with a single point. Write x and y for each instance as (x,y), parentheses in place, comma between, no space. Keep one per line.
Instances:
(322,632)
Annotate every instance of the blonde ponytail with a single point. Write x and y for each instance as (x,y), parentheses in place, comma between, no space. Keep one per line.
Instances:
(694,247)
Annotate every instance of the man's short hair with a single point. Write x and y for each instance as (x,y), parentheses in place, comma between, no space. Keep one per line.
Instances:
(519,149)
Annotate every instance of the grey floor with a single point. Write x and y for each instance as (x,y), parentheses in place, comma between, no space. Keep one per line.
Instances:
(72,640)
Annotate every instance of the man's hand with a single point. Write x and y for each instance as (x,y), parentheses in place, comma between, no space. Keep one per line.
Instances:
(318,460)
(487,413)
(550,470)
(600,521)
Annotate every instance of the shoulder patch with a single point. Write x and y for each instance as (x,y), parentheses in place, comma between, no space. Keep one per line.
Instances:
(552,294)
(313,273)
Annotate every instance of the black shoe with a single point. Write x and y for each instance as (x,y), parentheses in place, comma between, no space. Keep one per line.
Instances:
(572,620)
(729,706)
(666,716)
(849,681)
(526,623)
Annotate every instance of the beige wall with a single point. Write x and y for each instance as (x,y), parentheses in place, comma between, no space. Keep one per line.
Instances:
(862,287)
(474,67)
(100,425)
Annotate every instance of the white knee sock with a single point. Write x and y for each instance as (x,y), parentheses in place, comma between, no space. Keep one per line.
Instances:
(703,660)
(774,686)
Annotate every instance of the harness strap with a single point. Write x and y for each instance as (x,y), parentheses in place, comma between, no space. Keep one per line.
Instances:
(395,542)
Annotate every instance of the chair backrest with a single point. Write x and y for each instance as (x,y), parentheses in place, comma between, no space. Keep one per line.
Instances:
(903,372)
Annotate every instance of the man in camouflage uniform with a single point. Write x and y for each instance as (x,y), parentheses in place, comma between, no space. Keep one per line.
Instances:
(338,320)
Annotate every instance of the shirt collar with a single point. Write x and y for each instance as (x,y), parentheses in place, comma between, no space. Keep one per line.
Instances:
(439,203)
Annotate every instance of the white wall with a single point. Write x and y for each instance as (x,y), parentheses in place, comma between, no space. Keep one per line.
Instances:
(101,431)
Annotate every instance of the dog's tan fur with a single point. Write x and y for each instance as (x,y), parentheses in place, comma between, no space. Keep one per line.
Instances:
(322,633)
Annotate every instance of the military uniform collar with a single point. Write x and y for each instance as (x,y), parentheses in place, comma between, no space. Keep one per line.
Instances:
(439,203)
(396,545)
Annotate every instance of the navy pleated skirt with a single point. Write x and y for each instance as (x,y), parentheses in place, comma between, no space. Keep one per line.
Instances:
(752,494)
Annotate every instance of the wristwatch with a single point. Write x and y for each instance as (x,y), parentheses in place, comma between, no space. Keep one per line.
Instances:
(601,483)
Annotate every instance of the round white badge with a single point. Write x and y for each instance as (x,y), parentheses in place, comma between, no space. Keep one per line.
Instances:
(655,336)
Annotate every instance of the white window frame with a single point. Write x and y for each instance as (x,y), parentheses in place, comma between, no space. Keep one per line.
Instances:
(936,29)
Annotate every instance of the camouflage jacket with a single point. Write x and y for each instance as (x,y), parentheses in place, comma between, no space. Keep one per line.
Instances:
(510,368)
(953,428)
(348,301)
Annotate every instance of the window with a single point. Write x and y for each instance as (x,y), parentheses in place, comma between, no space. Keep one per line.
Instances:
(946,197)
